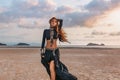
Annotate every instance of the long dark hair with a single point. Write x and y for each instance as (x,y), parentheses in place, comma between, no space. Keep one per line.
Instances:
(61,33)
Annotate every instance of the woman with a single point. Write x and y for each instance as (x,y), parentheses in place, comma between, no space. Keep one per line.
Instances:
(50,56)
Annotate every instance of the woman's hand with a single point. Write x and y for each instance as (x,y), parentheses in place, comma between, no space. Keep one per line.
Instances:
(59,19)
(42,52)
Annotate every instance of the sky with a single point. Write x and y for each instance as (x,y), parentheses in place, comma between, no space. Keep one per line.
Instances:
(84,21)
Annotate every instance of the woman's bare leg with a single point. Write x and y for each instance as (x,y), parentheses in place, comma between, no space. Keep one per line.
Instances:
(52,70)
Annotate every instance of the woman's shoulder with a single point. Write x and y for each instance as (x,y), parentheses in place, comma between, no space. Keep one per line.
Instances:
(46,30)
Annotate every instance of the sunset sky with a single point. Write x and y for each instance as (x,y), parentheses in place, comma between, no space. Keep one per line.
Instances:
(85,21)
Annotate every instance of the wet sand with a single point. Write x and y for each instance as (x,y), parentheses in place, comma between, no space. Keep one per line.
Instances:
(86,64)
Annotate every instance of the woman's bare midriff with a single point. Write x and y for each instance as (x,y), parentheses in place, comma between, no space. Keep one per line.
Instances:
(54,45)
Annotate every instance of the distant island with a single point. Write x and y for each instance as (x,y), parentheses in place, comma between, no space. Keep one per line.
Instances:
(1,44)
(23,44)
(95,44)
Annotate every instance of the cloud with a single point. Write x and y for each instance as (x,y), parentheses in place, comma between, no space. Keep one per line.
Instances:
(75,19)
(25,20)
(44,9)
(115,2)
(29,9)
(115,34)
(16,34)
(64,9)
(100,8)
(103,33)
(90,13)
(31,23)
(90,36)
(33,3)
(2,9)
(98,33)
(38,9)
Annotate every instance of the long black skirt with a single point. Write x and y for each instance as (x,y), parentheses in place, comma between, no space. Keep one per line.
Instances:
(62,72)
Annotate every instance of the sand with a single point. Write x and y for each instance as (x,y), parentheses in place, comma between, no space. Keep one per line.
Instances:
(86,64)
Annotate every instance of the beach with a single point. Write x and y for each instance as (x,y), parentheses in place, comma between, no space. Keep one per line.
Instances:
(84,63)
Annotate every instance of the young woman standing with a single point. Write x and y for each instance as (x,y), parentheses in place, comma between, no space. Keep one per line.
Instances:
(50,53)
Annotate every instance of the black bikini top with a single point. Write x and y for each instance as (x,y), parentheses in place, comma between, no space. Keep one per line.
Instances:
(51,34)
(48,33)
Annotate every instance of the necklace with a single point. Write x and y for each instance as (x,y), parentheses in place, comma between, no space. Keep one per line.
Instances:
(51,36)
